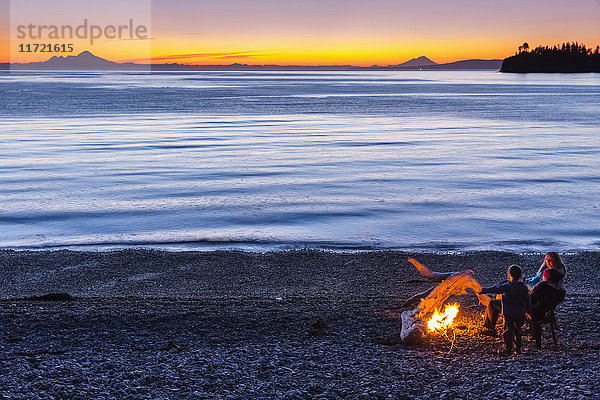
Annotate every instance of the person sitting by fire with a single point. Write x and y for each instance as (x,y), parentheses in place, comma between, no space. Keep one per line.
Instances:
(515,304)
(551,261)
(545,296)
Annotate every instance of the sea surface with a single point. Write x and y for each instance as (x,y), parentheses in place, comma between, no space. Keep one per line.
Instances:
(419,160)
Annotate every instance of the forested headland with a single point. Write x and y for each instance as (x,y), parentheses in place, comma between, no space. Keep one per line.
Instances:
(568,57)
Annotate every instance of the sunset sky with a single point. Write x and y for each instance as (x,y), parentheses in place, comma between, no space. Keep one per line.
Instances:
(309,32)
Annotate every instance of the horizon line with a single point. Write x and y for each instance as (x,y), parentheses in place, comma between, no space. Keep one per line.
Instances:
(131,62)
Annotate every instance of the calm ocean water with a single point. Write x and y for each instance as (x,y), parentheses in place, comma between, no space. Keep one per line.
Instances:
(424,160)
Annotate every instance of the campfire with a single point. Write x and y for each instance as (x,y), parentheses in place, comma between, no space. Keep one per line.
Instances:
(440,321)
(423,316)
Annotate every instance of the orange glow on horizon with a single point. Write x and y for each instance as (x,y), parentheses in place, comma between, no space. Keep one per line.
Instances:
(343,53)
(338,51)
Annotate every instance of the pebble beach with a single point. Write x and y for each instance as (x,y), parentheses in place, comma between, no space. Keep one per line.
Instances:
(307,324)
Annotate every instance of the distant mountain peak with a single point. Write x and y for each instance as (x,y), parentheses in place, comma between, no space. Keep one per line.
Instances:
(88,56)
(421,61)
(423,58)
(83,60)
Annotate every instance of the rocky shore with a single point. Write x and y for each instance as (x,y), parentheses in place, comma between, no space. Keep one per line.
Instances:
(308,324)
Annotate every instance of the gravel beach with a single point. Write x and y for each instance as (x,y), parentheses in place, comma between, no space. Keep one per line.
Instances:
(148,324)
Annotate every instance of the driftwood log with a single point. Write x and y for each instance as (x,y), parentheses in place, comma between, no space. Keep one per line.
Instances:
(414,326)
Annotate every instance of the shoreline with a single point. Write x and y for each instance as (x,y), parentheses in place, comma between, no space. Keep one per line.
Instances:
(228,273)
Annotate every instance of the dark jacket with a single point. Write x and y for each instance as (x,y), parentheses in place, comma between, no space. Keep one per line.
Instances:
(544,297)
(515,298)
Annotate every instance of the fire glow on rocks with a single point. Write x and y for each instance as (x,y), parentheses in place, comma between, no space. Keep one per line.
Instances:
(440,321)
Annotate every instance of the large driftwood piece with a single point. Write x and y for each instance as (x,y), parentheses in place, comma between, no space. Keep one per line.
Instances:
(414,328)
(429,274)
(456,284)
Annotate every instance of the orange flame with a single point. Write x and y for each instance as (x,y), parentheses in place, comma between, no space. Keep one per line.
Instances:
(444,320)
